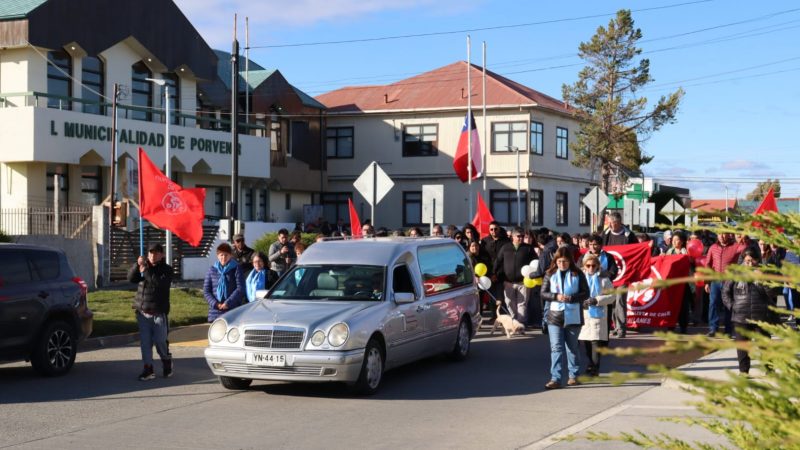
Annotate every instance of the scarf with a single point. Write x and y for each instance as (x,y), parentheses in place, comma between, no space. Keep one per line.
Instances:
(569,286)
(595,287)
(604,260)
(222,284)
(255,281)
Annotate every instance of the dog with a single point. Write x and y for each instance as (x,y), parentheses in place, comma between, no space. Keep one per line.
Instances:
(510,325)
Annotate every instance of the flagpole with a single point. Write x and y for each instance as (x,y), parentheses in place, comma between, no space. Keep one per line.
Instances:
(141,221)
(469,129)
(485,139)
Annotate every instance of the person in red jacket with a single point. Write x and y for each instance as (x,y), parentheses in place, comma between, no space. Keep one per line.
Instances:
(720,255)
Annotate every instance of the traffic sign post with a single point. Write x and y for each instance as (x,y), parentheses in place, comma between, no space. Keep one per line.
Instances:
(672,210)
(373,184)
(596,200)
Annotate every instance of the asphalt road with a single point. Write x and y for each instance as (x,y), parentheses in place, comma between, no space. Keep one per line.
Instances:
(495,399)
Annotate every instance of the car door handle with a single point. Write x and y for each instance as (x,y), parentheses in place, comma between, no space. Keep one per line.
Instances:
(424,307)
(43,294)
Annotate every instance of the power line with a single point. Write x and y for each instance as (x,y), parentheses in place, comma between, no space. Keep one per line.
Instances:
(472,30)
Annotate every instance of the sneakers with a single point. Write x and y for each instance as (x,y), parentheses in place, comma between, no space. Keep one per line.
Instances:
(167,363)
(147,373)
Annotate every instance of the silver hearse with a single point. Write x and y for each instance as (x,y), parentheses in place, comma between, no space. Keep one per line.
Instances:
(348,311)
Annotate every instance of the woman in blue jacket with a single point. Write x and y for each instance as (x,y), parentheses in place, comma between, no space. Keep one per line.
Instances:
(565,287)
(223,287)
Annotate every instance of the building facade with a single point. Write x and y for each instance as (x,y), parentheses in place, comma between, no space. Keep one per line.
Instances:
(411,128)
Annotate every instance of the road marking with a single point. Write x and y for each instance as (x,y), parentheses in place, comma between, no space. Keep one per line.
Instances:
(557,437)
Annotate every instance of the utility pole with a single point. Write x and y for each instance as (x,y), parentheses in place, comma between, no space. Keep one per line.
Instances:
(234,212)
(113,189)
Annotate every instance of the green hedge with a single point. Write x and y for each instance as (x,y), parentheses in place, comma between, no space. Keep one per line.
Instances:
(262,244)
(4,237)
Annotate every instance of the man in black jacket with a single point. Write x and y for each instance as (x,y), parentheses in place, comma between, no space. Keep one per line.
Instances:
(619,234)
(508,269)
(152,308)
(491,245)
(242,254)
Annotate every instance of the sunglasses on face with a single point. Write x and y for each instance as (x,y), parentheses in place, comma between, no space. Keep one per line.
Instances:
(493,229)
(590,265)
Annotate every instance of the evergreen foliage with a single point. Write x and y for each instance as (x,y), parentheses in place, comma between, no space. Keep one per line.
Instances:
(761,189)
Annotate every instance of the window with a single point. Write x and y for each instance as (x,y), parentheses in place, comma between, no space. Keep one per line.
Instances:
(339,142)
(288,201)
(262,205)
(275,134)
(247,210)
(412,208)
(402,281)
(52,171)
(562,143)
(46,265)
(506,135)
(300,138)
(420,140)
(584,213)
(14,268)
(91,185)
(537,138)
(335,206)
(444,267)
(504,206)
(141,92)
(537,207)
(93,79)
(59,71)
(173,82)
(562,217)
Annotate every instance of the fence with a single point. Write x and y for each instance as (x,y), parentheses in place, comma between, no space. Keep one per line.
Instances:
(74,222)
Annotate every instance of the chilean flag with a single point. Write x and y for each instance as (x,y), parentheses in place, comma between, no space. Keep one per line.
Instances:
(461,159)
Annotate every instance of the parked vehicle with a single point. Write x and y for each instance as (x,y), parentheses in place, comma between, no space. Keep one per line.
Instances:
(350,310)
(43,308)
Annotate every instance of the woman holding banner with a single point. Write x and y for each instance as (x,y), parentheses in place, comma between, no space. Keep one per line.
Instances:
(565,287)
(594,333)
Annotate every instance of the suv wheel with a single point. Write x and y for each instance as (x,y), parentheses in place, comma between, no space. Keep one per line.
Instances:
(54,353)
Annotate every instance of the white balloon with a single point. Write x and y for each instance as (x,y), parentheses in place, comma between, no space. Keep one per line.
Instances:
(534,265)
(526,270)
(484,282)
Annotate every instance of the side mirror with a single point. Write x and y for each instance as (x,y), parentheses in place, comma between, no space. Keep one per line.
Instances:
(261,294)
(402,298)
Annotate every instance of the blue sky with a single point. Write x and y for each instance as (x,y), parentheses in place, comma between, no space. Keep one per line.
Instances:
(738,61)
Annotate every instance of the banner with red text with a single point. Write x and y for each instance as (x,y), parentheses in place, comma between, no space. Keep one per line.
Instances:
(653,307)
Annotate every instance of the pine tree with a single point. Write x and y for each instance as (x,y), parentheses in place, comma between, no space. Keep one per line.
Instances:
(762,188)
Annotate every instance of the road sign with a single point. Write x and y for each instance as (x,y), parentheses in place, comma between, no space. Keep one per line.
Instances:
(373,183)
(596,200)
(690,218)
(647,215)
(432,203)
(672,210)
(630,211)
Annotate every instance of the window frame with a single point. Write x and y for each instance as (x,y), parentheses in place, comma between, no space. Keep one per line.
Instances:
(55,76)
(510,133)
(584,213)
(410,202)
(562,141)
(539,134)
(174,82)
(339,200)
(539,207)
(512,205)
(562,221)
(434,144)
(138,81)
(88,108)
(336,138)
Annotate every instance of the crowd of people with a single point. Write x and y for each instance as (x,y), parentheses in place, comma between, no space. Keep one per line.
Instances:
(572,305)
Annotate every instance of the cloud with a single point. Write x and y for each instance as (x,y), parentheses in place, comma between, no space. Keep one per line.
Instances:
(744,164)
(214,18)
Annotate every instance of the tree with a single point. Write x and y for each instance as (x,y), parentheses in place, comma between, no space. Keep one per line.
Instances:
(615,120)
(762,188)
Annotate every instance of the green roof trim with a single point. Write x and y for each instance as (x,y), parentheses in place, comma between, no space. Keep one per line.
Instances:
(18,9)
(308,100)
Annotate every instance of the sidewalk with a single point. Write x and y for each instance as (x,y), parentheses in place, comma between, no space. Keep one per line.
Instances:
(189,336)
(644,412)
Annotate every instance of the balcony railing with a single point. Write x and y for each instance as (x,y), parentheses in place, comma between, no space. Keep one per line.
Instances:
(203,121)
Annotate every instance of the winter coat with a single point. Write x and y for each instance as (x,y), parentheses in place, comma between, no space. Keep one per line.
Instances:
(492,248)
(557,317)
(624,238)
(597,329)
(748,301)
(152,294)
(510,261)
(235,287)
(277,261)
(243,257)
(610,270)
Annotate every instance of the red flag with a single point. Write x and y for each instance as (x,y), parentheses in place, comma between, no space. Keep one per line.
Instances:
(169,206)
(355,224)
(483,217)
(460,161)
(659,307)
(768,204)
(633,262)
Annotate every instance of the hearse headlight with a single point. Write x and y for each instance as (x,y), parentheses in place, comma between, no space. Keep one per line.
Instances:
(318,338)
(217,330)
(233,335)
(338,334)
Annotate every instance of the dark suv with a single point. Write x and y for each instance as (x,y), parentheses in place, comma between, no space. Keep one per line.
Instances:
(43,308)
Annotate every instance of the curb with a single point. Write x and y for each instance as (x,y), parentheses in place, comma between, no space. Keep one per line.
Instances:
(123,340)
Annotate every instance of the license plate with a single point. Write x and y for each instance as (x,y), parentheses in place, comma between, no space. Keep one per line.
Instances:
(266,359)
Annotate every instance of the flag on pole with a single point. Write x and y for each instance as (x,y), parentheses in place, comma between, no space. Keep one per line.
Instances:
(355,223)
(462,157)
(768,204)
(169,206)
(483,217)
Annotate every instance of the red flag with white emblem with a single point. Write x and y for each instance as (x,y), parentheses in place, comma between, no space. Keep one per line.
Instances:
(655,307)
(169,206)
(633,262)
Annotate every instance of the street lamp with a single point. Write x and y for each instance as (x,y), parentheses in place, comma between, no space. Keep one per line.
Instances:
(168,167)
(519,196)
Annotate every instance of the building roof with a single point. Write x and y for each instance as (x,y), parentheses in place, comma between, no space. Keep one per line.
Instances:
(445,87)
(713,205)
(16,9)
(785,205)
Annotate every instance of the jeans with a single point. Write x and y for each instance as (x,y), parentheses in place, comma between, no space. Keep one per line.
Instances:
(558,337)
(153,331)
(621,313)
(715,307)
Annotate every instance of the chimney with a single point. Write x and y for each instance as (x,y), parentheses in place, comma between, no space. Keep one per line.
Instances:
(385,98)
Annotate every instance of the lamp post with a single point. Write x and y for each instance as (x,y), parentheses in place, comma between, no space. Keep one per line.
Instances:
(168,165)
(519,197)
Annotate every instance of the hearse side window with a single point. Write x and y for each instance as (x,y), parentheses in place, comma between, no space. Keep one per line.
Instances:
(402,280)
(443,267)
(14,268)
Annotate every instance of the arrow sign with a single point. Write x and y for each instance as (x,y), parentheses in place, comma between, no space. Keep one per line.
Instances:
(373,184)
(596,200)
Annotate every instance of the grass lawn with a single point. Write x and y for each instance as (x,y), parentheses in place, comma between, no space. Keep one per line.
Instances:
(113,313)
